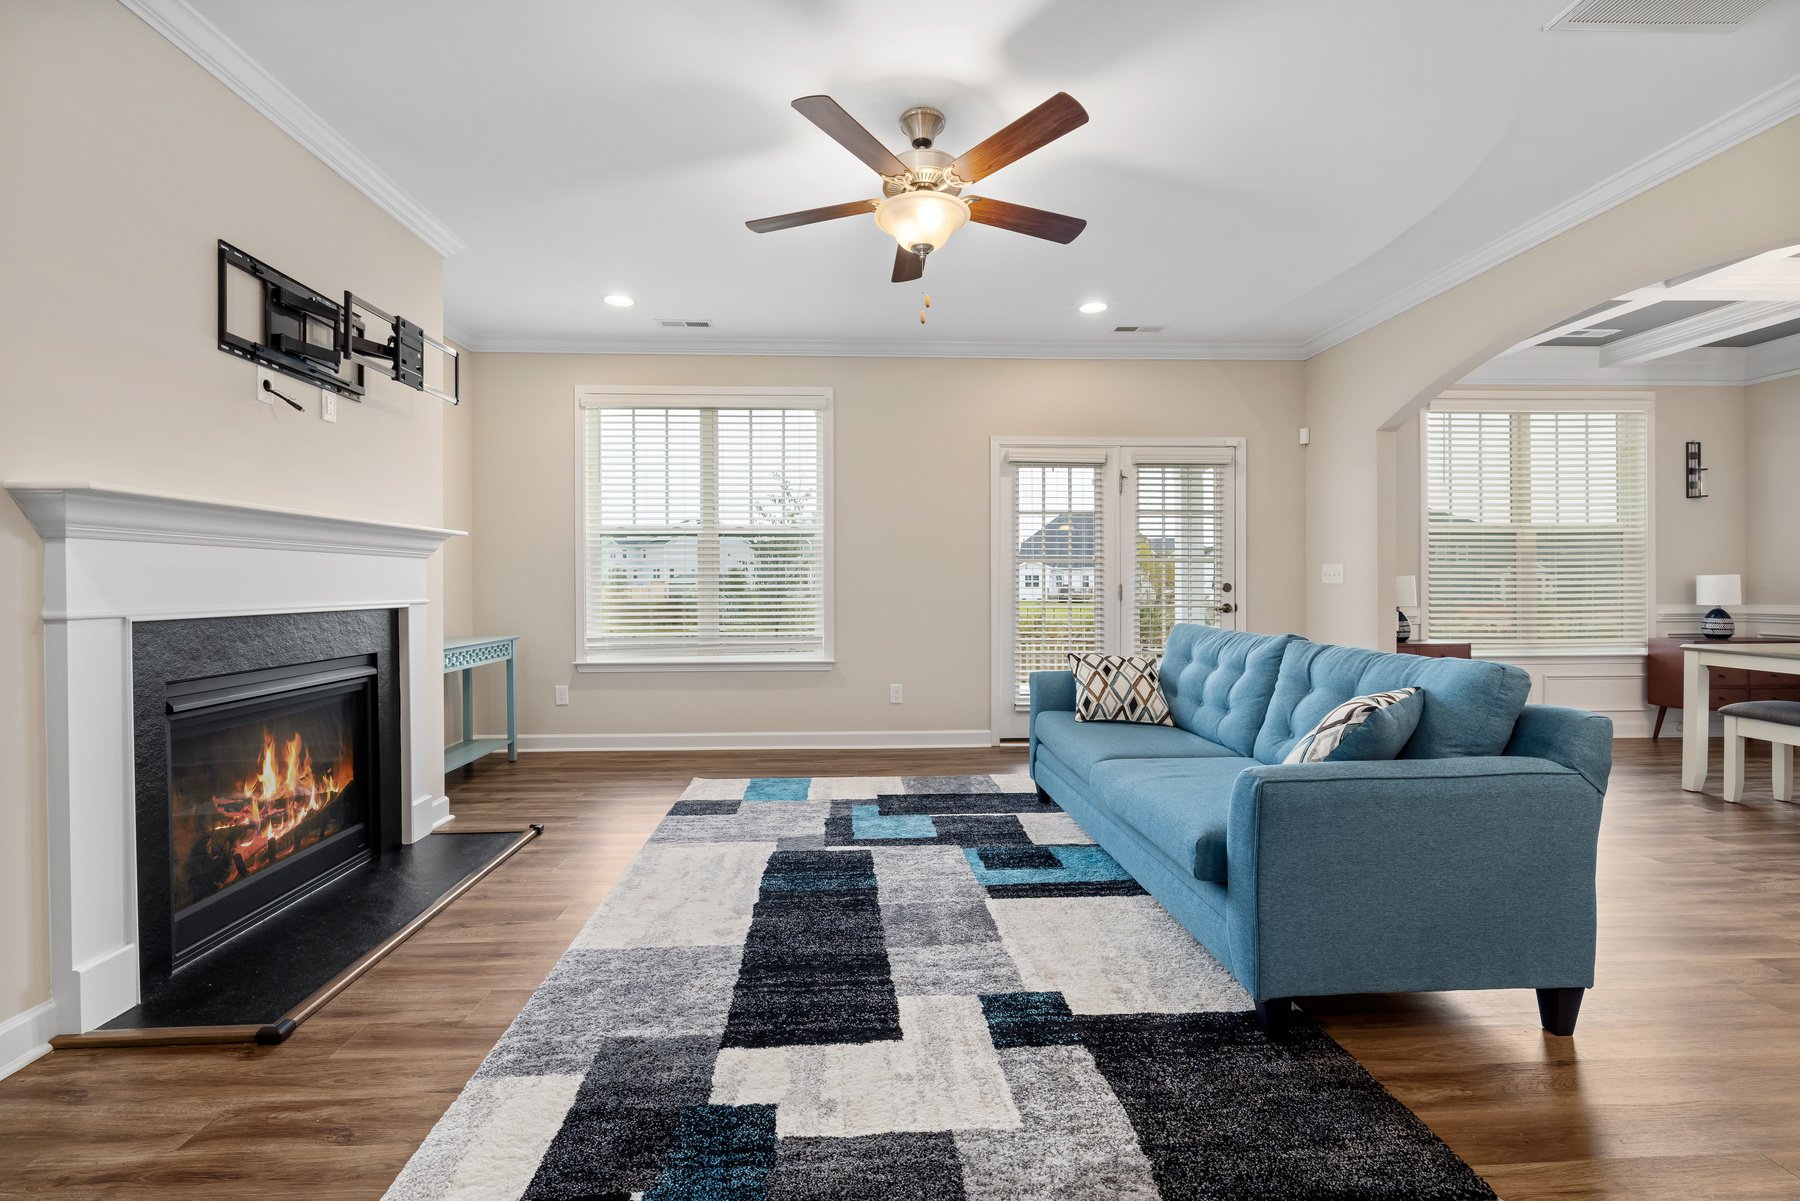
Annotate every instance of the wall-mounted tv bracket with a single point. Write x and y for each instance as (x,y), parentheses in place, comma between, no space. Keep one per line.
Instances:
(402,355)
(292,317)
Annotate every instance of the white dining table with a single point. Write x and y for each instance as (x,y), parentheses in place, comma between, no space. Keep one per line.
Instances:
(1696,657)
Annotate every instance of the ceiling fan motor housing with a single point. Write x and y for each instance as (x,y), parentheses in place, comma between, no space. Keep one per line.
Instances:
(927,168)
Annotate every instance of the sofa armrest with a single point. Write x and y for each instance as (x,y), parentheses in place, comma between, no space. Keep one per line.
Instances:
(1412,875)
(1574,738)
(1051,692)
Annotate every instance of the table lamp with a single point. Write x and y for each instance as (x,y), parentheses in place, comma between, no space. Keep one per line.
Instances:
(1406,592)
(1718,591)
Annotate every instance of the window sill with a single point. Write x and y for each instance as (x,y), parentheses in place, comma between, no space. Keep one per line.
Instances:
(663,665)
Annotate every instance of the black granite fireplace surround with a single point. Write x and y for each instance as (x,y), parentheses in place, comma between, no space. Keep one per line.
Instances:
(267,764)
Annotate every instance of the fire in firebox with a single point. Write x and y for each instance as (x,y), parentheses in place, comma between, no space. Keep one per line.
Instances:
(287,802)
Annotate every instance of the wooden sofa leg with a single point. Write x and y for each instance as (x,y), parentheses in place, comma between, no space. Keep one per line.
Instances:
(1275,1017)
(1558,1007)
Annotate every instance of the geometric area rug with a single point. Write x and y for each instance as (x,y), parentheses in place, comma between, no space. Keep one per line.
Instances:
(913,987)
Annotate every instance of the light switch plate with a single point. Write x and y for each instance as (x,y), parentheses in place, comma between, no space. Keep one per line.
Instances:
(1331,573)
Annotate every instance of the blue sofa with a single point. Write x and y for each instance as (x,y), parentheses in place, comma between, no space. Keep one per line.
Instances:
(1467,862)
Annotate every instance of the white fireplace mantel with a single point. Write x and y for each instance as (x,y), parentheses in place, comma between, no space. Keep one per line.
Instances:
(113,556)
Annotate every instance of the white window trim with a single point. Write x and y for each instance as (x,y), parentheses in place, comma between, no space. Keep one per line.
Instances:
(1001,576)
(646,396)
(1466,400)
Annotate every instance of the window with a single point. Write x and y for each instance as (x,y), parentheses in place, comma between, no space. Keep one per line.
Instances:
(705,527)
(1537,525)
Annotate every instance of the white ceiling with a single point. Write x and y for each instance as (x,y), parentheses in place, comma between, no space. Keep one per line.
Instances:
(1257,176)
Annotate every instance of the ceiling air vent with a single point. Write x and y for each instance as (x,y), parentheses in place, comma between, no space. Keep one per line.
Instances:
(673,323)
(1138,329)
(1719,16)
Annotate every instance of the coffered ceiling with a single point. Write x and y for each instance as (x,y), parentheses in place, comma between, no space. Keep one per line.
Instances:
(1258,177)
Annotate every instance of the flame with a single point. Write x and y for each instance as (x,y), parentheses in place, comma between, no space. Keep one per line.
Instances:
(283,791)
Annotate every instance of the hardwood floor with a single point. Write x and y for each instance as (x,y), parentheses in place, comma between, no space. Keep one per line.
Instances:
(1682,1082)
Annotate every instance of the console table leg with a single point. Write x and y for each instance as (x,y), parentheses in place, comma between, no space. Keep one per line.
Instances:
(512,716)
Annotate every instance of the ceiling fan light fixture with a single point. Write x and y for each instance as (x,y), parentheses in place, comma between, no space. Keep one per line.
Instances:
(921,219)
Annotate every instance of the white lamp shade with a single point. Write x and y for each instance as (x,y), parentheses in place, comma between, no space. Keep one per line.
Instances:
(922,218)
(1406,590)
(1718,590)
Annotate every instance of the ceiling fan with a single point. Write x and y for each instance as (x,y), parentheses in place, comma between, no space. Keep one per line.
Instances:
(922,202)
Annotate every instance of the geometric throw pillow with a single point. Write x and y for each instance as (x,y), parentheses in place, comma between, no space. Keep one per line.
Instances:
(1375,726)
(1118,688)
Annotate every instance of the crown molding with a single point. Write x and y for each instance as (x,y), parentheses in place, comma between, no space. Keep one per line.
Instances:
(888,349)
(1764,112)
(1585,366)
(227,62)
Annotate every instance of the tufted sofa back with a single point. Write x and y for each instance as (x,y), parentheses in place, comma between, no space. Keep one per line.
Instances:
(1219,682)
(1471,705)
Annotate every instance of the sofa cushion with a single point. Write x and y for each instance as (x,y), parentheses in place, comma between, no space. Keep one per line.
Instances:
(1179,806)
(1079,745)
(1219,682)
(1470,704)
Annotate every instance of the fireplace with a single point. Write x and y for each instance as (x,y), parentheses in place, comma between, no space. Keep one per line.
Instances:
(267,767)
(270,776)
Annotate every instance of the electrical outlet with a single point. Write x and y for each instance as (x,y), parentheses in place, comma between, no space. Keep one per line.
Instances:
(1331,573)
(895,694)
(562,694)
(328,405)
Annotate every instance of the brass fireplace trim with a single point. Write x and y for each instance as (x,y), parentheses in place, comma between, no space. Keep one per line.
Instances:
(278,1031)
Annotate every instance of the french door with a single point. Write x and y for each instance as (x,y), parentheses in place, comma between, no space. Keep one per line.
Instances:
(1103,546)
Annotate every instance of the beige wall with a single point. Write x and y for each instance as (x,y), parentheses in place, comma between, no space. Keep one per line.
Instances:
(912,504)
(124,163)
(1690,537)
(459,553)
(1772,477)
(1743,200)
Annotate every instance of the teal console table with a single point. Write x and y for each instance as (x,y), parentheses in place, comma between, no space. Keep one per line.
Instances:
(465,655)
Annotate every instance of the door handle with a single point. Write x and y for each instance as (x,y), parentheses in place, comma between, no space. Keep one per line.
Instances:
(1227,607)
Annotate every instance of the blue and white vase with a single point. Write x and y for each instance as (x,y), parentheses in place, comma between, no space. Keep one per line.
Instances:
(1717,624)
(1404,631)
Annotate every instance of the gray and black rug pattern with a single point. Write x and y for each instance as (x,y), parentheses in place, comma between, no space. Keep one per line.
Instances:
(906,987)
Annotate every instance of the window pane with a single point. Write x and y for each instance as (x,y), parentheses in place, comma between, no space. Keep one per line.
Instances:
(1537,528)
(1180,536)
(705,532)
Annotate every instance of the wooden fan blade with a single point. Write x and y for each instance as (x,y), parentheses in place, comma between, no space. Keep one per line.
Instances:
(832,212)
(1021,219)
(843,129)
(1039,127)
(907,265)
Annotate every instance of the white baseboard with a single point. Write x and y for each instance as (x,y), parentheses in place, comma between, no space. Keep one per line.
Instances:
(25,1037)
(761,741)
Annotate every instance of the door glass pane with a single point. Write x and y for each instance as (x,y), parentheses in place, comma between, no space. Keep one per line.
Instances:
(1058,576)
(1180,520)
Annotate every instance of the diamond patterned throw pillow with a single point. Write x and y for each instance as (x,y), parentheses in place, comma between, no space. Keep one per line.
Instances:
(1118,688)
(1387,718)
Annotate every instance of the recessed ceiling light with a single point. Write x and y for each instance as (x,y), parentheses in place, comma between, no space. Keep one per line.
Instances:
(1094,306)
(619,300)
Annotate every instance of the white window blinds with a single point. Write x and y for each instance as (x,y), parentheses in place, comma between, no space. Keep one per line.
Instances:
(703,532)
(1537,527)
(1180,515)
(1058,532)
